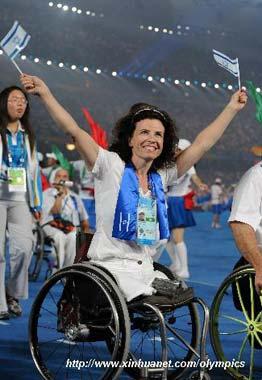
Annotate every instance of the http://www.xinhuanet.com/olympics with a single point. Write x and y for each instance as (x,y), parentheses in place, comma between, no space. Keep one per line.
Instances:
(208,364)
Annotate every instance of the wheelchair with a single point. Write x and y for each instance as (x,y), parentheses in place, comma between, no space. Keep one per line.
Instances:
(236,325)
(43,250)
(81,327)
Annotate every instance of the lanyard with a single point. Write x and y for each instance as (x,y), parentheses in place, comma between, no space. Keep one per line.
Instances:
(21,159)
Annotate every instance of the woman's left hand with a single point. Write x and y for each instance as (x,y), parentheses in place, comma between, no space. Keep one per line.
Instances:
(238,100)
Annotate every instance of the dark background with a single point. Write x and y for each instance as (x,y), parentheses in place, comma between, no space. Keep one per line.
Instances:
(113,39)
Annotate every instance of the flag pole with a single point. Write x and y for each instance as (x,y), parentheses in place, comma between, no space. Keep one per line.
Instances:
(16,65)
(239,82)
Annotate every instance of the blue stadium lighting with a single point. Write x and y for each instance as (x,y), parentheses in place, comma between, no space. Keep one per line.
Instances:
(224,85)
(144,76)
(196,83)
(136,75)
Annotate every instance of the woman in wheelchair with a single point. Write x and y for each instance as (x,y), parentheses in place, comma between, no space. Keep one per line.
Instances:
(130,180)
(132,177)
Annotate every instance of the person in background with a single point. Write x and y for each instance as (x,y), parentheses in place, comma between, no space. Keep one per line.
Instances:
(20,196)
(180,216)
(217,199)
(51,164)
(63,211)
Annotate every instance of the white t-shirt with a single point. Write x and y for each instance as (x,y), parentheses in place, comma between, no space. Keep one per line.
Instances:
(216,194)
(130,263)
(247,201)
(182,185)
(108,171)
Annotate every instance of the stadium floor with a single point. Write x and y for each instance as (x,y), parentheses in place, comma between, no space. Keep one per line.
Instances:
(212,255)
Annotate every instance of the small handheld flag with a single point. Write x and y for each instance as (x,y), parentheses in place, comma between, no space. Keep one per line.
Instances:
(231,65)
(14,42)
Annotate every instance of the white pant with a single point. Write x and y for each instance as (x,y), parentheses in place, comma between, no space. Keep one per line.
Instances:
(134,278)
(17,218)
(65,245)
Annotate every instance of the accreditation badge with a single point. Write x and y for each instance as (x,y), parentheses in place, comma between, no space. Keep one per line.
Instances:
(146,221)
(16,179)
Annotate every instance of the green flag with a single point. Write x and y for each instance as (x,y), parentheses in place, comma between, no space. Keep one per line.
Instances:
(257,97)
(63,162)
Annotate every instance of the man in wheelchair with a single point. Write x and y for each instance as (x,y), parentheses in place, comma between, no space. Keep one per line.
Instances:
(246,224)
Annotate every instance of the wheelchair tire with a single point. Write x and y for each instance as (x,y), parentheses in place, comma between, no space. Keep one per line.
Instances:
(236,332)
(38,253)
(59,335)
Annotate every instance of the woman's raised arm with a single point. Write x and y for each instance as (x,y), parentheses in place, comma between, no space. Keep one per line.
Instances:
(211,134)
(87,147)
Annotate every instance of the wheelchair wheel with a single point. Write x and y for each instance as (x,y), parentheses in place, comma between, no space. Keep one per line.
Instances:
(38,253)
(236,325)
(146,340)
(75,316)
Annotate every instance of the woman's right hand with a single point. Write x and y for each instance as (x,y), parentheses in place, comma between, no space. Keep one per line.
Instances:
(34,85)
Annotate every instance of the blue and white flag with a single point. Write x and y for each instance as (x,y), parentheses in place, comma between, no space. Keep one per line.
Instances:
(227,63)
(15,40)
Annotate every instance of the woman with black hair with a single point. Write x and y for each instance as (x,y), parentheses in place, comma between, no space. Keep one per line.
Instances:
(20,196)
(132,178)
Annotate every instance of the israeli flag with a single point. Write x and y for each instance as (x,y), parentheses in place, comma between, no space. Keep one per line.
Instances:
(227,63)
(15,40)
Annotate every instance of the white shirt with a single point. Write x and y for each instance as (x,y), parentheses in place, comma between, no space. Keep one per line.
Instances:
(182,185)
(216,194)
(69,211)
(108,171)
(247,200)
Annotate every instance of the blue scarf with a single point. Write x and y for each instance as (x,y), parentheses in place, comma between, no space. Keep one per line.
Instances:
(125,219)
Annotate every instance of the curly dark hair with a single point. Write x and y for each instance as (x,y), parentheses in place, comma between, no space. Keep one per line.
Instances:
(5,118)
(125,127)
